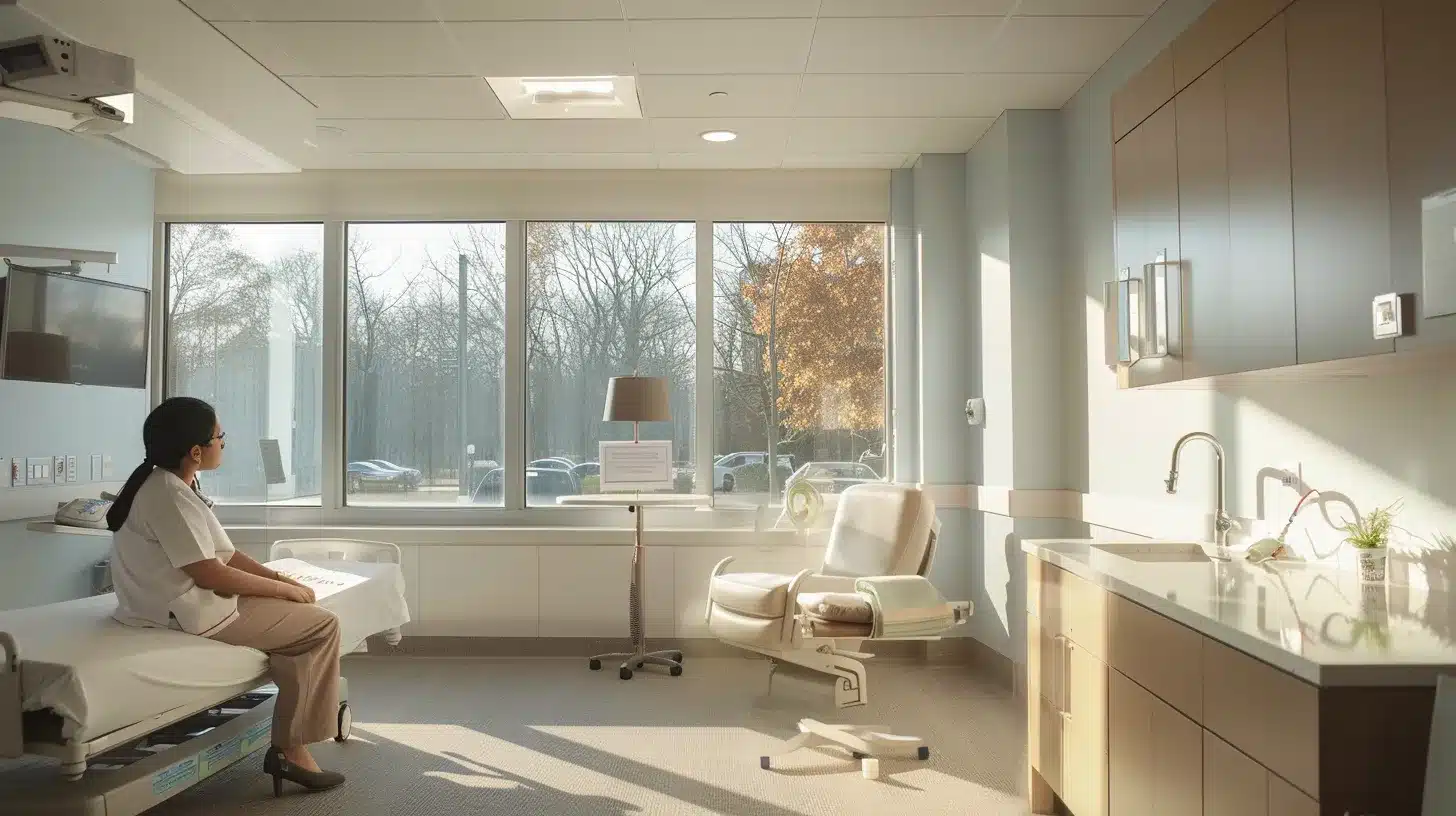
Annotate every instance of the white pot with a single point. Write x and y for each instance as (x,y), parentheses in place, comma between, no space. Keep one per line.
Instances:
(1372,563)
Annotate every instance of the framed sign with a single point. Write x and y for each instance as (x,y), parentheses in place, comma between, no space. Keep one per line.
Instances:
(627,466)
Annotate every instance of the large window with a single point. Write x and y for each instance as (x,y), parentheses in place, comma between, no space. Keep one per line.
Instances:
(465,364)
(604,299)
(798,358)
(424,363)
(243,331)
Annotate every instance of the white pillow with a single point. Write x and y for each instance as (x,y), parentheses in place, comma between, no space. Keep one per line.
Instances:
(844,607)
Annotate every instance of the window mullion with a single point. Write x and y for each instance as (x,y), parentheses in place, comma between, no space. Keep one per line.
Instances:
(514,410)
(703,389)
(334,338)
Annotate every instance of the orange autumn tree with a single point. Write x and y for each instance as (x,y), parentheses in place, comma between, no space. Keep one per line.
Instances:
(825,331)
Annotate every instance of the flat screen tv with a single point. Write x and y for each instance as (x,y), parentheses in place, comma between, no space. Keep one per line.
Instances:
(66,329)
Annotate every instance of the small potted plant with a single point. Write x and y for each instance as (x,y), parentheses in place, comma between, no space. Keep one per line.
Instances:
(1370,536)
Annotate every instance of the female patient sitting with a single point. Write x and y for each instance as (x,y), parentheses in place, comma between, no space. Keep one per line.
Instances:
(173,566)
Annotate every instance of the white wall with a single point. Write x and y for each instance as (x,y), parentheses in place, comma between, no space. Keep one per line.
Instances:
(63,190)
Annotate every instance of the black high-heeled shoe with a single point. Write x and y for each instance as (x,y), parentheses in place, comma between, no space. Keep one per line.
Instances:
(278,767)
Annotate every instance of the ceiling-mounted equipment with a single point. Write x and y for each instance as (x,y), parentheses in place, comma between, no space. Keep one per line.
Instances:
(594,97)
(73,258)
(64,84)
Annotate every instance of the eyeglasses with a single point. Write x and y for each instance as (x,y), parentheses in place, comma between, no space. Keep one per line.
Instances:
(220,437)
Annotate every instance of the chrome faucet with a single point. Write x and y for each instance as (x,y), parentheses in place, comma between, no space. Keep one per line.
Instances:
(1222,523)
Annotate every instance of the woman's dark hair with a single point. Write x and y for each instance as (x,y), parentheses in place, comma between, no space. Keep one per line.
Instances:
(169,433)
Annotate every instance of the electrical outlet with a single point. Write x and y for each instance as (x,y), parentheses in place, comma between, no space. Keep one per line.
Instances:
(976,411)
(59,474)
(71,474)
(1292,475)
(107,471)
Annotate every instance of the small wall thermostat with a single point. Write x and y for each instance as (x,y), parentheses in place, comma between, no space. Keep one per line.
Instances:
(1393,316)
(975,412)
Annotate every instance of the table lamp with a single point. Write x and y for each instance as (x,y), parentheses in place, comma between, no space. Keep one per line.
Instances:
(637,399)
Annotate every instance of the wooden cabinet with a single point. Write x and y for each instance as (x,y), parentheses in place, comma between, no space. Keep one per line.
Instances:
(1339,152)
(1420,72)
(1154,755)
(1270,715)
(1147,91)
(1084,734)
(1234,194)
(1233,784)
(1145,182)
(1162,656)
(1218,32)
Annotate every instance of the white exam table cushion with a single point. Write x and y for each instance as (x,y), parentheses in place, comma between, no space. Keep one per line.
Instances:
(99,675)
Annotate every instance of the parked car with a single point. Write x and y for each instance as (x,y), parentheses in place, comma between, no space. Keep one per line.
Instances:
(723,478)
(586,469)
(875,458)
(553,463)
(412,476)
(543,486)
(832,477)
(365,473)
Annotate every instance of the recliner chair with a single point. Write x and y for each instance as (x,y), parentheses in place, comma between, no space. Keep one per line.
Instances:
(871,586)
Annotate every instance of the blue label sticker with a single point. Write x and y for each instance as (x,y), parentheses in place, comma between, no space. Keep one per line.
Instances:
(220,756)
(256,737)
(175,777)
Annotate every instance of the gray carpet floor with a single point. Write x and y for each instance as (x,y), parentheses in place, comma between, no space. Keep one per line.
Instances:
(546,736)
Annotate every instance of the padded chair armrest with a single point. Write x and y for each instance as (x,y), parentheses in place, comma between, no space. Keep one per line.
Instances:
(818,582)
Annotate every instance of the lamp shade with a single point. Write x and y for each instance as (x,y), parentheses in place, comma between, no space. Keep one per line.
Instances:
(637,399)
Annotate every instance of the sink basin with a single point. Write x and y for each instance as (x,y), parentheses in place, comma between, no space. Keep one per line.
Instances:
(1171,553)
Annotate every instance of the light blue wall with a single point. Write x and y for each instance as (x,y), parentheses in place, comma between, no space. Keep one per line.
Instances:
(68,191)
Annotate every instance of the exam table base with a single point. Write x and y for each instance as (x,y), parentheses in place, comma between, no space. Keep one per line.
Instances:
(866,743)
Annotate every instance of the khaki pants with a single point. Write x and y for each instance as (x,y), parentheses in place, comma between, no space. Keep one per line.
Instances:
(302,644)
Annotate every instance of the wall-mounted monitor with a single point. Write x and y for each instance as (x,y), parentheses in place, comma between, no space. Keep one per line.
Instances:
(67,329)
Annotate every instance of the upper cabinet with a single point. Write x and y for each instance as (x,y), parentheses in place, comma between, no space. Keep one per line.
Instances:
(1341,185)
(1420,73)
(1302,149)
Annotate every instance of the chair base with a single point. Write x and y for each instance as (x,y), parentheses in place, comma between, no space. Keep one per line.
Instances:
(672,659)
(866,743)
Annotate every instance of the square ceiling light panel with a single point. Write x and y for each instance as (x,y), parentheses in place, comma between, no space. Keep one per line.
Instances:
(601,97)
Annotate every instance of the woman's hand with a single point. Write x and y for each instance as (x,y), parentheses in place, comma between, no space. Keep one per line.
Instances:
(297,593)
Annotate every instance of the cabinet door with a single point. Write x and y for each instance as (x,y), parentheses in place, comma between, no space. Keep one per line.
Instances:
(1235,225)
(1044,754)
(1233,784)
(1145,179)
(1084,736)
(1420,71)
(1218,32)
(1154,755)
(1337,132)
(1287,800)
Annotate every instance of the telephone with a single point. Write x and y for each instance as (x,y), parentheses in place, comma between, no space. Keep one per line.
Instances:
(83,513)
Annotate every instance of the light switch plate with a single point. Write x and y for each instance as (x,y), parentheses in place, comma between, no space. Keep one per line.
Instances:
(38,470)
(95,467)
(72,475)
(107,471)
(59,473)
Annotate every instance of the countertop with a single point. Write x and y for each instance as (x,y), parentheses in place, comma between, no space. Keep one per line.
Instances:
(1315,621)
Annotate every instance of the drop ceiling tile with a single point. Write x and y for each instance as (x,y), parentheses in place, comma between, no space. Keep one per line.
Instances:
(917,8)
(852,136)
(754,136)
(348,49)
(746,94)
(403,10)
(1140,8)
(866,161)
(545,48)
(1054,44)
(932,94)
(721,46)
(709,161)
(717,9)
(400,97)
(485,161)
(900,45)
(492,136)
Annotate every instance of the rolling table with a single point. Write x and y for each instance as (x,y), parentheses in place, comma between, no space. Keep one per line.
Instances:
(635,503)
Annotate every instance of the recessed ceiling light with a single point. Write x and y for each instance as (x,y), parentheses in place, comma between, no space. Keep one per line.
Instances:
(719,136)
(592,97)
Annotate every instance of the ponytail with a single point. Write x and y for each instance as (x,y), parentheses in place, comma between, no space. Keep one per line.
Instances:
(170,431)
(121,508)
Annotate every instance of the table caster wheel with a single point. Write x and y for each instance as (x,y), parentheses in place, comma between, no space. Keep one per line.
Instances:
(625,673)
(640,664)
(346,723)
(923,753)
(675,671)
(677,656)
(594,665)
(763,762)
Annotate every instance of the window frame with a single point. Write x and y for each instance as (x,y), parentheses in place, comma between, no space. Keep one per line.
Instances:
(333,509)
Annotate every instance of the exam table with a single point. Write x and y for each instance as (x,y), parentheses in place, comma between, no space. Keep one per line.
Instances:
(137,715)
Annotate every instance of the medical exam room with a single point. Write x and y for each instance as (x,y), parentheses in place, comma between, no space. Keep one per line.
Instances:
(765,408)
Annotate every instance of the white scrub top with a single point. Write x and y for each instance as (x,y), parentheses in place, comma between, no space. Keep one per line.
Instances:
(169,527)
